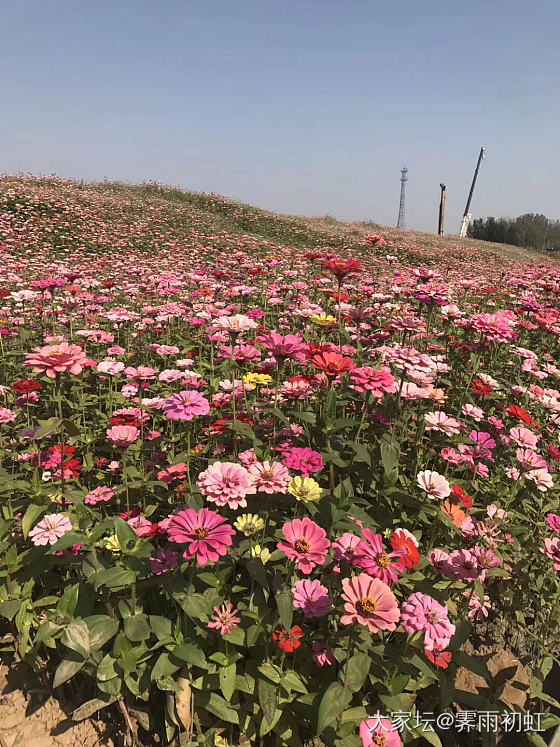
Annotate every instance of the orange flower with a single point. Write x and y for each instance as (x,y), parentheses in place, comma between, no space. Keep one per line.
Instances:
(456,514)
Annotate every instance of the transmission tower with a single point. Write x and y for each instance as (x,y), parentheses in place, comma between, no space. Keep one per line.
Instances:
(404,179)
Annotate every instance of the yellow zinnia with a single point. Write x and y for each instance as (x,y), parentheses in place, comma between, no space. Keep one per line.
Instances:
(112,544)
(249,524)
(305,489)
(324,320)
(260,552)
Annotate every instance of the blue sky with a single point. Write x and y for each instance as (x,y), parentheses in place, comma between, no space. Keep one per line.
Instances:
(306,107)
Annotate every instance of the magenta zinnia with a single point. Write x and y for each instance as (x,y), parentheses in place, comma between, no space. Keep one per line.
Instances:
(422,613)
(206,533)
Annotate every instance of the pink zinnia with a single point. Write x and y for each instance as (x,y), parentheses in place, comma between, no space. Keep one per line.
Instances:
(322,654)
(553,521)
(345,547)
(422,613)
(185,405)
(435,485)
(269,477)
(463,564)
(54,359)
(524,437)
(378,731)
(99,495)
(173,473)
(312,598)
(284,346)
(552,549)
(376,561)
(369,602)
(367,379)
(123,436)
(306,543)
(6,415)
(204,533)
(50,529)
(304,460)
(224,619)
(226,484)
(164,562)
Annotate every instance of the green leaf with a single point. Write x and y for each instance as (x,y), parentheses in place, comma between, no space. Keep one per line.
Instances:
(190,653)
(535,739)
(127,537)
(218,706)
(30,517)
(107,669)
(292,681)
(136,627)
(10,608)
(361,452)
(195,605)
(333,702)
(66,670)
(101,629)
(86,710)
(76,637)
(161,626)
(163,667)
(267,698)
(390,456)
(285,604)
(113,578)
(227,680)
(358,670)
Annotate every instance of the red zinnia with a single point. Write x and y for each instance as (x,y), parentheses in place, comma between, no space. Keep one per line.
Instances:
(333,364)
(439,657)
(25,386)
(288,641)
(458,493)
(399,541)
(342,267)
(481,388)
(522,415)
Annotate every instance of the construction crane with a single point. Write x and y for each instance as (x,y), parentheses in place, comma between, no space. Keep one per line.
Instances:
(466,215)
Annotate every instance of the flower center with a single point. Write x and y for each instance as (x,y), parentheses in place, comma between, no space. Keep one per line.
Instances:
(432,616)
(383,560)
(366,606)
(302,545)
(200,533)
(380,740)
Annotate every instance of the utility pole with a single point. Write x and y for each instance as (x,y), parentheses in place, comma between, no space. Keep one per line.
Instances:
(466,216)
(404,179)
(442,210)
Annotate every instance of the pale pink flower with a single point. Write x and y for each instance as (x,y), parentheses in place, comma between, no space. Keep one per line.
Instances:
(225,619)
(99,495)
(312,598)
(7,416)
(226,484)
(123,436)
(54,359)
(269,477)
(235,324)
(378,382)
(477,610)
(541,478)
(524,437)
(472,411)
(379,731)
(440,421)
(422,613)
(435,485)
(185,405)
(369,602)
(50,529)
(552,549)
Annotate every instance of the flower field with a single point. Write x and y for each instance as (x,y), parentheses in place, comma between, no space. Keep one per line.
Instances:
(273,481)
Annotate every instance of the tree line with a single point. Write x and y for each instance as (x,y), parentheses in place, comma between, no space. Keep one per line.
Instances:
(531,230)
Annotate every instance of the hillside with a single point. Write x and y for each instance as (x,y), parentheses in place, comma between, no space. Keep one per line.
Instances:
(126,211)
